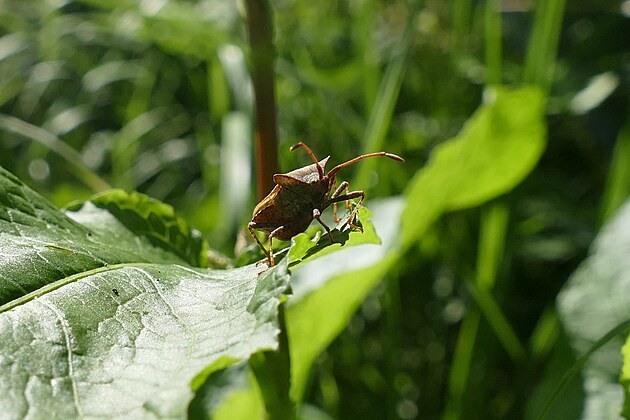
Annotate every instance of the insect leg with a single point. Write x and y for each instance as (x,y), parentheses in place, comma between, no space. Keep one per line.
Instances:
(316,215)
(269,255)
(271,235)
(350,196)
(335,194)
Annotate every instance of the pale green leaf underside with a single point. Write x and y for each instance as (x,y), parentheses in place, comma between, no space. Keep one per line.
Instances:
(594,301)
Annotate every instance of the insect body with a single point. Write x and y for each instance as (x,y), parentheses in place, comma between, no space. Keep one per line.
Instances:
(301,196)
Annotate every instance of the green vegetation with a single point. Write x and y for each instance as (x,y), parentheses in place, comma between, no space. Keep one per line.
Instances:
(490,280)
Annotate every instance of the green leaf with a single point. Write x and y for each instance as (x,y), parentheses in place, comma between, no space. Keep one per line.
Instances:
(97,321)
(154,221)
(595,300)
(625,377)
(328,290)
(230,394)
(497,148)
(304,247)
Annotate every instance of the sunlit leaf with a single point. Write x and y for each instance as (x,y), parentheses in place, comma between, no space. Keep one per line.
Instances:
(97,320)
(304,247)
(327,290)
(497,148)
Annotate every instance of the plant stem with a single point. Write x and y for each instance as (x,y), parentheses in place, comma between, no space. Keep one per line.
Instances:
(543,44)
(618,182)
(272,371)
(493,32)
(461,24)
(260,26)
(389,89)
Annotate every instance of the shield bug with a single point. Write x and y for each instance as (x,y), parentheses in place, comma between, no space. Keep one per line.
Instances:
(301,196)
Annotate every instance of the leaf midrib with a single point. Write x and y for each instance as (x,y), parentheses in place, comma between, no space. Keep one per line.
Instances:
(67,280)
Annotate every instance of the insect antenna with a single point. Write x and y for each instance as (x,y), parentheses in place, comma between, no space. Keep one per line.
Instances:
(334,170)
(310,152)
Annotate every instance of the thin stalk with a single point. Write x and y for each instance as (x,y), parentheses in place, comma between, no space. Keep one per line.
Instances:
(462,10)
(618,182)
(493,51)
(260,26)
(543,44)
(272,369)
(74,159)
(389,89)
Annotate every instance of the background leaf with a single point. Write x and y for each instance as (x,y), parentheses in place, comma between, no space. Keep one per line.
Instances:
(497,148)
(328,290)
(594,301)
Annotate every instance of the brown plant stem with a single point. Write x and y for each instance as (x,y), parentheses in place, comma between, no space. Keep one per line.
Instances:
(260,26)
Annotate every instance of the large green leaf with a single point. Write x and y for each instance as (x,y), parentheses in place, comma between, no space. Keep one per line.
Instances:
(96,320)
(594,301)
(498,147)
(328,290)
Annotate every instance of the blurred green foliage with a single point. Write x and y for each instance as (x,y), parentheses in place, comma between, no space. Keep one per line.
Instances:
(155,96)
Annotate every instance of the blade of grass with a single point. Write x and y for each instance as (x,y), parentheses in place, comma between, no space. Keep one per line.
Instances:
(545,334)
(492,36)
(543,44)
(381,115)
(462,10)
(577,366)
(618,183)
(76,166)
(460,367)
(365,39)
(500,325)
(494,222)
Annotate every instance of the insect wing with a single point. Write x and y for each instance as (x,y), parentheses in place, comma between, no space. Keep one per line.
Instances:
(281,208)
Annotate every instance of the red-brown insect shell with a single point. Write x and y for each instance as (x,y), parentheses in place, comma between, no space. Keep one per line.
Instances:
(297,193)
